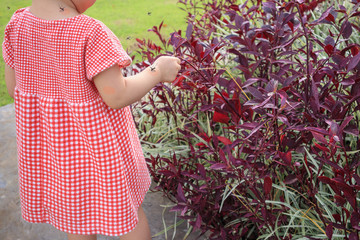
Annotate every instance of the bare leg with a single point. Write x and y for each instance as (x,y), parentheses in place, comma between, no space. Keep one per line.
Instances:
(142,229)
(81,237)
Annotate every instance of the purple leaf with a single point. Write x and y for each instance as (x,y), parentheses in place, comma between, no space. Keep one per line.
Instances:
(329,49)
(352,130)
(348,192)
(290,179)
(323,16)
(329,41)
(329,231)
(256,93)
(315,94)
(344,124)
(337,217)
(357,13)
(353,62)
(221,118)
(342,8)
(331,163)
(269,7)
(201,170)
(353,236)
(286,157)
(320,138)
(189,31)
(218,166)
(340,200)
(348,82)
(238,21)
(330,18)
(317,130)
(357,178)
(255,130)
(179,207)
(180,194)
(284,61)
(325,179)
(346,29)
(198,222)
(355,219)
(289,18)
(224,140)
(267,185)
(250,82)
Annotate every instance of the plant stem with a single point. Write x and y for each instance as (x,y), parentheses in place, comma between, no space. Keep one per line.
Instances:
(308,80)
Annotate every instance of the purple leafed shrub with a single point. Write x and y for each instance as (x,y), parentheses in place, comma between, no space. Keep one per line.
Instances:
(266,111)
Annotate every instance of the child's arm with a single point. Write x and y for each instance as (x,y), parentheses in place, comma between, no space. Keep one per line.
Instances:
(10,80)
(118,91)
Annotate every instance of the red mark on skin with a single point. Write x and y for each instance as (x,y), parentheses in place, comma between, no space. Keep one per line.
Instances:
(65,10)
(109,90)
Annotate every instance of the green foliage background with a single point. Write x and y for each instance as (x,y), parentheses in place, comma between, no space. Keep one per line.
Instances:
(127,19)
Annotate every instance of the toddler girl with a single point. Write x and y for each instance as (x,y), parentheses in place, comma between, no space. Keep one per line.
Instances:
(81,167)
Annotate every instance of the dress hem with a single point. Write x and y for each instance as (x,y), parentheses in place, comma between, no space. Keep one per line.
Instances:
(96,232)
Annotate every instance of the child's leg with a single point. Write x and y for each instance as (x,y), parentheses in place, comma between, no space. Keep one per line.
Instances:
(142,229)
(140,232)
(81,237)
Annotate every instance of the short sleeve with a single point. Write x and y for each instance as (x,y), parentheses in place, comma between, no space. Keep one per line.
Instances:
(103,50)
(7,49)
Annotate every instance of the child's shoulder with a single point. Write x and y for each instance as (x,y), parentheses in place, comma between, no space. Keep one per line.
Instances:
(20,11)
(93,23)
(94,26)
(14,20)
(18,14)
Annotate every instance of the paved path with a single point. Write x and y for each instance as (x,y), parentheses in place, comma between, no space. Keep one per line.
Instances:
(12,227)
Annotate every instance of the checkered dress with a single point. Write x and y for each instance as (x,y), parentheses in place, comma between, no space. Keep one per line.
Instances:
(81,166)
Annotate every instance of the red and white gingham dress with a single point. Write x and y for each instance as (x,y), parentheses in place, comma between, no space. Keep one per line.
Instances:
(81,167)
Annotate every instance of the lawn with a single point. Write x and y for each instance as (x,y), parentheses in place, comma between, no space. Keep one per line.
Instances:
(127,19)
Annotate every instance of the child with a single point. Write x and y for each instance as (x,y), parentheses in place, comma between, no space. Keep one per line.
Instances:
(81,167)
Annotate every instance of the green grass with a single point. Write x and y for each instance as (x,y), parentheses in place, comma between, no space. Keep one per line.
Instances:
(126,18)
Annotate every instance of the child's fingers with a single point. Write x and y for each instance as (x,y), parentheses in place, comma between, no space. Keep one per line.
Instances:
(178,60)
(169,67)
(178,63)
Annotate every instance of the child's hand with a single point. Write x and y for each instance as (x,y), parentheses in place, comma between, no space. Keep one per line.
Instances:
(167,67)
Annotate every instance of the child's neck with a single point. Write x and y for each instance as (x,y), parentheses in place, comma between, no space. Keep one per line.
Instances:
(53,9)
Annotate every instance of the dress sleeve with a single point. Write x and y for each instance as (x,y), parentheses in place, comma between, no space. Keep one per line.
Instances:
(7,49)
(103,50)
